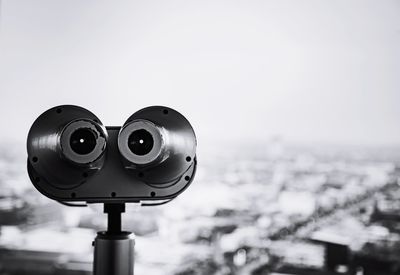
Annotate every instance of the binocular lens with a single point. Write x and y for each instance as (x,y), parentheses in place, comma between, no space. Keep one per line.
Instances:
(140,142)
(83,141)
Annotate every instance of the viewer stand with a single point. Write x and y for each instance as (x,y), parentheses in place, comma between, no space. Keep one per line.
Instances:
(113,249)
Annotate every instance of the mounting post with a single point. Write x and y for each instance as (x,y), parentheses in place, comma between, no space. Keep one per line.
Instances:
(114,248)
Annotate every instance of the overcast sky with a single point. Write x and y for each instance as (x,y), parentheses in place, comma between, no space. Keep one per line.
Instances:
(326,71)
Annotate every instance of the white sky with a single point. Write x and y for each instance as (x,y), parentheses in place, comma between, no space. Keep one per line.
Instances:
(326,71)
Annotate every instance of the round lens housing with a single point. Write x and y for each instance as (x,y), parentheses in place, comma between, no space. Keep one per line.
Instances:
(83,141)
(140,142)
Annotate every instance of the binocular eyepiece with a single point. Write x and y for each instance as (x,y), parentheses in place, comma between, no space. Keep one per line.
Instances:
(72,156)
(82,141)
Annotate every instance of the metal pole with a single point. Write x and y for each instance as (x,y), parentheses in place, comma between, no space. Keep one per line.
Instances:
(114,249)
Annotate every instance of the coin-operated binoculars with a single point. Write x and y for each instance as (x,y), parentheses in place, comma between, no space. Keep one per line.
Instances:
(74,159)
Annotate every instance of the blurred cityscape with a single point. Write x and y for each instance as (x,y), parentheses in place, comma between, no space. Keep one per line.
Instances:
(257,209)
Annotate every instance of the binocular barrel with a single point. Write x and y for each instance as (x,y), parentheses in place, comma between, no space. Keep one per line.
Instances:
(159,143)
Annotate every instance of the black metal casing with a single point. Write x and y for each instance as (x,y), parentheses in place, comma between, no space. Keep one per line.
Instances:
(107,177)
